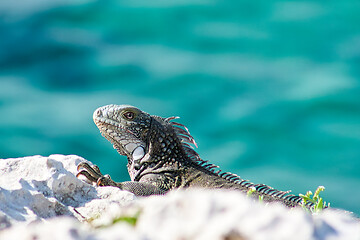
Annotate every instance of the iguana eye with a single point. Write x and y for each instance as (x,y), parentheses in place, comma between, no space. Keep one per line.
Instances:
(129,115)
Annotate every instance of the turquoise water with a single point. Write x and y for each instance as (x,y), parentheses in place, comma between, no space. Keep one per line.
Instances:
(270,90)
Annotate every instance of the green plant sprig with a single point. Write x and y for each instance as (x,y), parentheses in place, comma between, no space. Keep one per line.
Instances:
(319,203)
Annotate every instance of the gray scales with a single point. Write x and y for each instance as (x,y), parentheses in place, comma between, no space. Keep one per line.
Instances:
(161,158)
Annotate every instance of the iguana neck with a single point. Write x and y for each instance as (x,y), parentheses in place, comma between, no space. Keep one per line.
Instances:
(165,154)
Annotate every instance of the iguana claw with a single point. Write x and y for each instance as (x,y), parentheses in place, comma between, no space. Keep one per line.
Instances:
(93,175)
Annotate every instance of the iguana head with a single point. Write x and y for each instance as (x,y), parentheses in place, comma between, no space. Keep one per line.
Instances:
(146,140)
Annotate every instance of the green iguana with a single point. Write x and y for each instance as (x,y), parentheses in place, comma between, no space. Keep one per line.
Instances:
(161,157)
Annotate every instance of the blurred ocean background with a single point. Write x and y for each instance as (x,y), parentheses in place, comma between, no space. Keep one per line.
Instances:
(269,89)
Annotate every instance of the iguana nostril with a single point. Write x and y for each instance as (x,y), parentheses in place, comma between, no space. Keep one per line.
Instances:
(98,113)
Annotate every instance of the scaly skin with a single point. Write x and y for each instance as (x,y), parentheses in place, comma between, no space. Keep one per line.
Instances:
(160,157)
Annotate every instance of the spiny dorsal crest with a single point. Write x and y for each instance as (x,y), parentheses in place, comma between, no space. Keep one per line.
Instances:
(187,141)
(182,132)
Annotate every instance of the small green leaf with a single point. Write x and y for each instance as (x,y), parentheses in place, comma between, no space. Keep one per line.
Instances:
(128,219)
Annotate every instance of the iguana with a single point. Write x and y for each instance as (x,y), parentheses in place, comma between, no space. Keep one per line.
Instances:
(161,157)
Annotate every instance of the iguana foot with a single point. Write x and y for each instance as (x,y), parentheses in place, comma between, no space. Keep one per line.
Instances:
(93,175)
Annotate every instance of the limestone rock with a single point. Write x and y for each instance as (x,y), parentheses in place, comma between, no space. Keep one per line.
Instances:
(40,198)
(38,188)
(215,214)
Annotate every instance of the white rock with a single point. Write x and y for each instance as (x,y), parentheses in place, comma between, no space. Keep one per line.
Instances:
(60,228)
(40,198)
(37,188)
(199,214)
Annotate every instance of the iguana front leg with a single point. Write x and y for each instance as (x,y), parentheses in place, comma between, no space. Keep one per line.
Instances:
(93,174)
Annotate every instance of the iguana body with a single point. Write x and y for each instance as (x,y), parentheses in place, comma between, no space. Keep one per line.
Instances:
(160,157)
